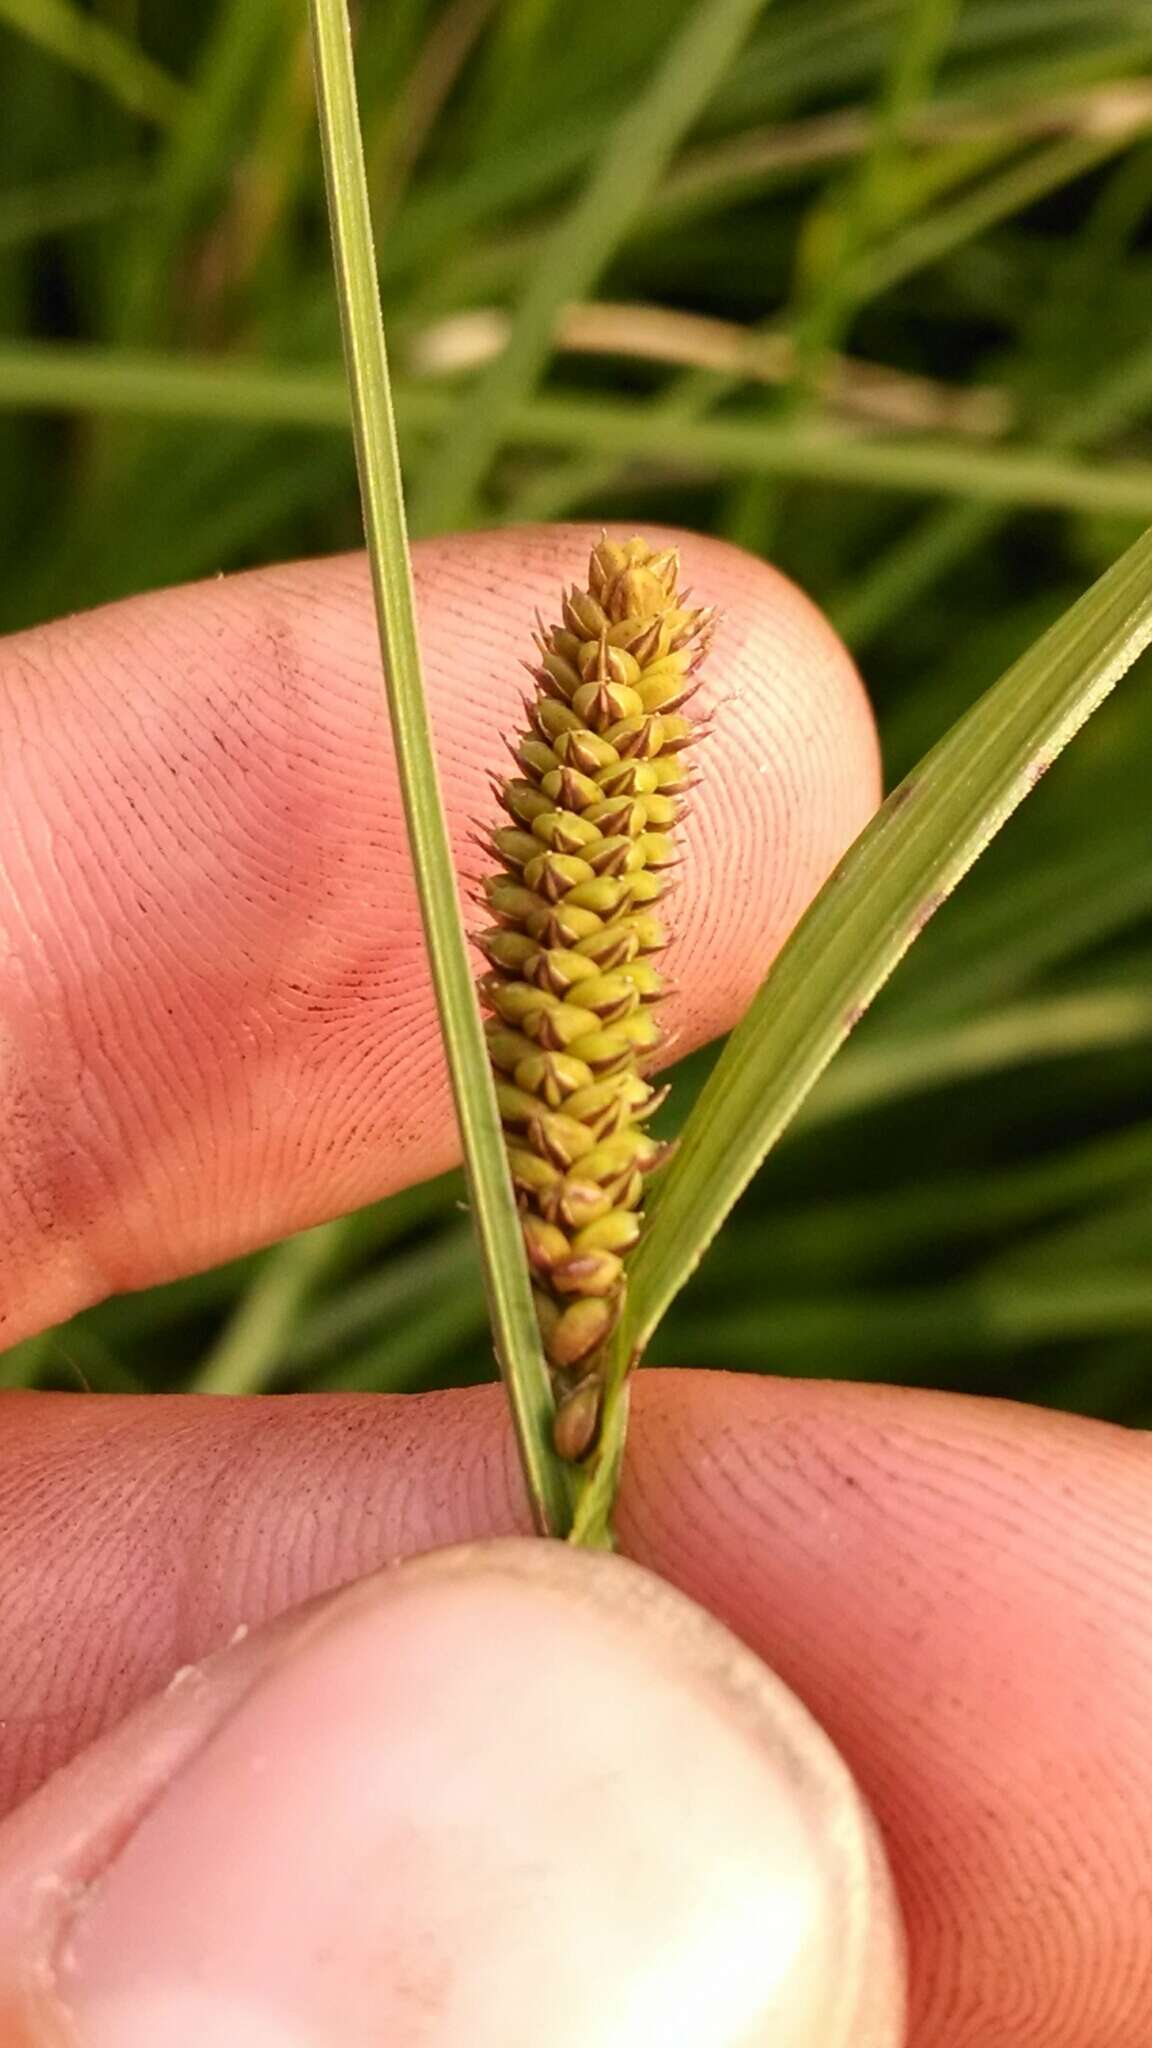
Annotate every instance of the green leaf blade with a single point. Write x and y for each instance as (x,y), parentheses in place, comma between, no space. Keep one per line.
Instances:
(925,838)
(497,1224)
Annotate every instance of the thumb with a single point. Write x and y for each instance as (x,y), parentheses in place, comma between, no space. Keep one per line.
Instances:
(504,1794)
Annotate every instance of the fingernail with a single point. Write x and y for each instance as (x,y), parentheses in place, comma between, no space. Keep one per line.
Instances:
(506,1795)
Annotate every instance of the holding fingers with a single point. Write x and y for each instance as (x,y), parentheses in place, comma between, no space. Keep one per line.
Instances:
(959,1590)
(219,1023)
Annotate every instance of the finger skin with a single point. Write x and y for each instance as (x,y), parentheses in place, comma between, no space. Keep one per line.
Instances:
(454,1785)
(960,1591)
(216,1022)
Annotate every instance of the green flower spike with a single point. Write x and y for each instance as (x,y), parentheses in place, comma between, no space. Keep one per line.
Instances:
(572,987)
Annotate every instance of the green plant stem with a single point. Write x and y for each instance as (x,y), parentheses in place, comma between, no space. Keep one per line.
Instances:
(497,1223)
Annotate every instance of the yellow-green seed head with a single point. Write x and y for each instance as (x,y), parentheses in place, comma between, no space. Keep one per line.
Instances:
(573,986)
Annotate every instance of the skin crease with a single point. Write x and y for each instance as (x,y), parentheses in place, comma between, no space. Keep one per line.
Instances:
(215,1029)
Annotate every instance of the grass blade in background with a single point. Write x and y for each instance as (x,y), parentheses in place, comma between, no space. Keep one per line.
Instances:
(835,234)
(627,173)
(165,384)
(200,142)
(497,1223)
(51,208)
(257,1337)
(99,52)
(1047,1028)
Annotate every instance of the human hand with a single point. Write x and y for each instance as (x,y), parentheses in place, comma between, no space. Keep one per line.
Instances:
(437,1807)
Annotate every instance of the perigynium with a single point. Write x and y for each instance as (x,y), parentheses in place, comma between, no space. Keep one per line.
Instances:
(573,985)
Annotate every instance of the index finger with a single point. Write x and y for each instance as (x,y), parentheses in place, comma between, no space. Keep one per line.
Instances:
(217,1021)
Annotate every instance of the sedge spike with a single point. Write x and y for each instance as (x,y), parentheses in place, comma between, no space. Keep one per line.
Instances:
(586,849)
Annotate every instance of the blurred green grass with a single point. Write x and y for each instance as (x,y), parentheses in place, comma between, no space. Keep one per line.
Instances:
(880,272)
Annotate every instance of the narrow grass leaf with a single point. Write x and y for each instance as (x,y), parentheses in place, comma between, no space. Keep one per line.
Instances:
(497,1223)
